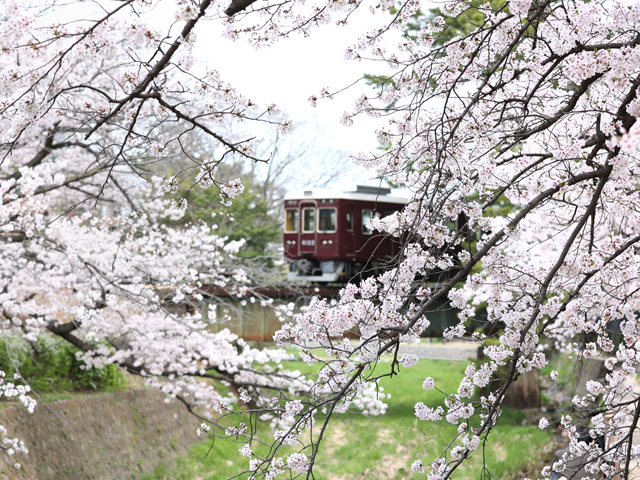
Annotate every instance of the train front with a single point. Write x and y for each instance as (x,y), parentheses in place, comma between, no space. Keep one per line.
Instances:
(311,236)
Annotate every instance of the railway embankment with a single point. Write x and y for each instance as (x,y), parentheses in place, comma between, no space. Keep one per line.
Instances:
(98,437)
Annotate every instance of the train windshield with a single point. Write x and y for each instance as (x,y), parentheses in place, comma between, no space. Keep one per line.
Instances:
(327,219)
(308,220)
(366,216)
(291,221)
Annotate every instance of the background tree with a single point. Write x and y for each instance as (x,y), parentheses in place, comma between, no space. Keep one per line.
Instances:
(297,161)
(256,215)
(248,219)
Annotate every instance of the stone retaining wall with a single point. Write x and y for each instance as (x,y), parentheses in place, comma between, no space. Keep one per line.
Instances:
(98,437)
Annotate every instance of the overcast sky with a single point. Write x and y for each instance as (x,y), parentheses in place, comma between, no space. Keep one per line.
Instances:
(288,73)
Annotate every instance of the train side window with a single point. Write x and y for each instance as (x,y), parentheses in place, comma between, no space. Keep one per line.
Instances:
(308,220)
(366,216)
(350,221)
(291,221)
(327,220)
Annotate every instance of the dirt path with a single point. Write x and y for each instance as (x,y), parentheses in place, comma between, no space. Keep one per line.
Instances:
(458,350)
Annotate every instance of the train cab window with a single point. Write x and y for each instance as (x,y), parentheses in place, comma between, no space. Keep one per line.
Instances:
(350,221)
(308,220)
(327,220)
(366,216)
(291,221)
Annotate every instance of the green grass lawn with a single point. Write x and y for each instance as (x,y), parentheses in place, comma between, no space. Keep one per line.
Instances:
(383,447)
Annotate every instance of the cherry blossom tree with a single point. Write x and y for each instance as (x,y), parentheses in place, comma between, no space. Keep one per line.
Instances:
(94,112)
(536,106)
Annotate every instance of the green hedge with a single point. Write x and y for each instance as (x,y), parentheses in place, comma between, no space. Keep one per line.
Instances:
(51,365)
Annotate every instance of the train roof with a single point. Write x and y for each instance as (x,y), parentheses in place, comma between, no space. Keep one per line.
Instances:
(363,193)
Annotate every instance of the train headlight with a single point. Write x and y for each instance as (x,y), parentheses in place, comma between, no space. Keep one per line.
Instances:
(327,242)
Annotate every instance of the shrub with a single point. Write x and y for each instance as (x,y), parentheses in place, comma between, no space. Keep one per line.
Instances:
(51,365)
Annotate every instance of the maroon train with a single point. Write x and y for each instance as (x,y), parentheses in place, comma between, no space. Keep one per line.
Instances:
(326,239)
